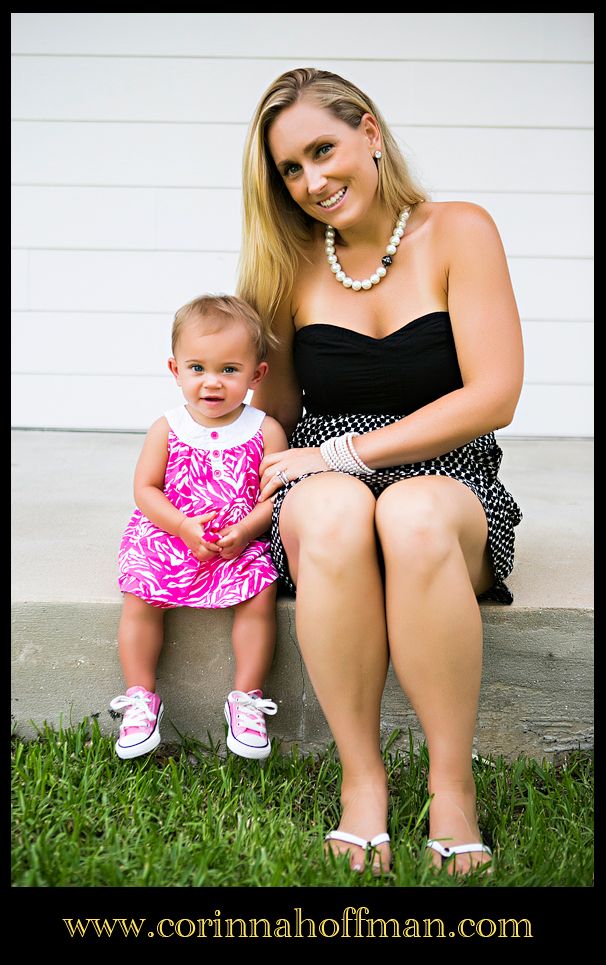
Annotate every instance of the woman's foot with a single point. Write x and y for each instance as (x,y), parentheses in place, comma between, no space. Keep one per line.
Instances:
(364,815)
(453,821)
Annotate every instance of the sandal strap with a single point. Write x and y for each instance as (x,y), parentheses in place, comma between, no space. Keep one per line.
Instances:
(379,839)
(457,849)
(347,838)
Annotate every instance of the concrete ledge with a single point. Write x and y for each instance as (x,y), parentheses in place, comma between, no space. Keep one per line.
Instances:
(538,668)
(536,692)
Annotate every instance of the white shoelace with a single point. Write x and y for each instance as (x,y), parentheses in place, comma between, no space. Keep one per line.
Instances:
(137,710)
(251,710)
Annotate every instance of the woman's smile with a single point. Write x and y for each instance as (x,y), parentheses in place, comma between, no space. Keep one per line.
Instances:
(334,201)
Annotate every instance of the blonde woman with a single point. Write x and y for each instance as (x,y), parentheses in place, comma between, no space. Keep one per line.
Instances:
(399,352)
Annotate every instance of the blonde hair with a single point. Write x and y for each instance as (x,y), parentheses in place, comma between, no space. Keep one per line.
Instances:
(230,307)
(275,229)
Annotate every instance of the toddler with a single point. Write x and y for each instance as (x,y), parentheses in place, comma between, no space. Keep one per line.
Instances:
(196,537)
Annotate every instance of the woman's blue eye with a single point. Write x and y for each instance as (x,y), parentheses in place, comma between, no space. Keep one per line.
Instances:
(291,169)
(324,149)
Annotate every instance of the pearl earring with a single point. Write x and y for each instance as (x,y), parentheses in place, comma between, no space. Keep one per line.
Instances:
(378,155)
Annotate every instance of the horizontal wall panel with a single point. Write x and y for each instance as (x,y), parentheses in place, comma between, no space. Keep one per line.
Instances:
(112,402)
(92,343)
(88,402)
(307,36)
(558,352)
(135,218)
(202,218)
(506,160)
(553,410)
(555,352)
(19,279)
(549,288)
(210,155)
(125,281)
(127,89)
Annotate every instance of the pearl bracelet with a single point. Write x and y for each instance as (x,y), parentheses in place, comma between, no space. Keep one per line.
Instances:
(339,454)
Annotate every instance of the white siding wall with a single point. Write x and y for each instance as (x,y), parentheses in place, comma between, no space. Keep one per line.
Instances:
(127,140)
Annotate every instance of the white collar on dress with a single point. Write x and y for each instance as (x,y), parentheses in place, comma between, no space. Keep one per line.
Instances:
(197,436)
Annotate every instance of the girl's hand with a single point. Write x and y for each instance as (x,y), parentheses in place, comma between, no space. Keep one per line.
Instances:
(191,531)
(291,463)
(234,539)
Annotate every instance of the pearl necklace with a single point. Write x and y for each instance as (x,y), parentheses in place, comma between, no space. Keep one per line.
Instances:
(386,261)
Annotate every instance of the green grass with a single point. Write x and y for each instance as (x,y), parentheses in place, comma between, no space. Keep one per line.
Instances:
(189,817)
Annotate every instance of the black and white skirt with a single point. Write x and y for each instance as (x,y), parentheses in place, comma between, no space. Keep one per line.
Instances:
(475,464)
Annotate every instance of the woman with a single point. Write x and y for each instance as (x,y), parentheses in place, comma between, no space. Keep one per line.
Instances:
(403,345)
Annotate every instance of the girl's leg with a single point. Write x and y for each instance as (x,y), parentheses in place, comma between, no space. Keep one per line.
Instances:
(327,529)
(254,639)
(140,638)
(433,532)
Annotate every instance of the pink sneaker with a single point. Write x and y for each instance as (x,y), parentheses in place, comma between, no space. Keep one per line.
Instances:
(140,729)
(246,730)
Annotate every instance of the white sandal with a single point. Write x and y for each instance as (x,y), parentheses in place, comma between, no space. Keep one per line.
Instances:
(367,846)
(458,849)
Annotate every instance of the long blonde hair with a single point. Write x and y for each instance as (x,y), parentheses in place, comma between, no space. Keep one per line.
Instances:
(276,231)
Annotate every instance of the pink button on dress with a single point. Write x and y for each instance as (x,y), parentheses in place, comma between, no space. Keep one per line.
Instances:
(206,470)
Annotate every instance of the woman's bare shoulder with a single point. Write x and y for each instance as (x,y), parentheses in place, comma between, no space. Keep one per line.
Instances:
(454,215)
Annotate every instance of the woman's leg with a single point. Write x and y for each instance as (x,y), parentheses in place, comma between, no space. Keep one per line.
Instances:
(140,639)
(254,639)
(327,529)
(433,532)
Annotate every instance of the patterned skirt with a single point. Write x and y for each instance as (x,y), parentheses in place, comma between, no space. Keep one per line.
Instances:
(475,464)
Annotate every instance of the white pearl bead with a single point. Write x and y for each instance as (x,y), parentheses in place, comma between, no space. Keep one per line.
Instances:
(366,284)
(356,285)
(394,240)
(381,271)
(347,282)
(391,249)
(376,278)
(330,249)
(336,267)
(332,259)
(330,232)
(399,231)
(340,276)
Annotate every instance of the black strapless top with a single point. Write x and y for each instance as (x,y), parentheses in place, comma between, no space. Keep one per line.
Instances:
(343,371)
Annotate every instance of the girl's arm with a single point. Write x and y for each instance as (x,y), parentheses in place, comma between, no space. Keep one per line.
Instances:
(149,495)
(258,521)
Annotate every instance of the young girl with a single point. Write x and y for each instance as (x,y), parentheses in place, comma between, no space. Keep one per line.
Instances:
(196,537)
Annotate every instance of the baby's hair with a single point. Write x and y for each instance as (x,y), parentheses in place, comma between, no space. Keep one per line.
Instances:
(233,308)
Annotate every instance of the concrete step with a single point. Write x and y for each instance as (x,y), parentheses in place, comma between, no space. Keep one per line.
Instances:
(71,500)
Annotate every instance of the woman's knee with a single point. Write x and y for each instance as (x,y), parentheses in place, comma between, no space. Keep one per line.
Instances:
(328,516)
(414,526)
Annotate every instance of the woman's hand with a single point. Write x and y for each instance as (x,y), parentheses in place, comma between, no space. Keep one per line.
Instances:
(290,464)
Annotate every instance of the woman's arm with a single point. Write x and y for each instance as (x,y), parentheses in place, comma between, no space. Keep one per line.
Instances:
(280,394)
(488,339)
(235,538)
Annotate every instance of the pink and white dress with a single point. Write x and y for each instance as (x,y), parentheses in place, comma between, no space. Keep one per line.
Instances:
(207,469)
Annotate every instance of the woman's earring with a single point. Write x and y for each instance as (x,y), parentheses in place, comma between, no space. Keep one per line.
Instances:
(378,155)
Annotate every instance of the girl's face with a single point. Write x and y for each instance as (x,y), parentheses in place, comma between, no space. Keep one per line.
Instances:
(215,365)
(327,166)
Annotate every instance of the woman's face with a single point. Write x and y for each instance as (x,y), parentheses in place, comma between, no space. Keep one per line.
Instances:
(327,166)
